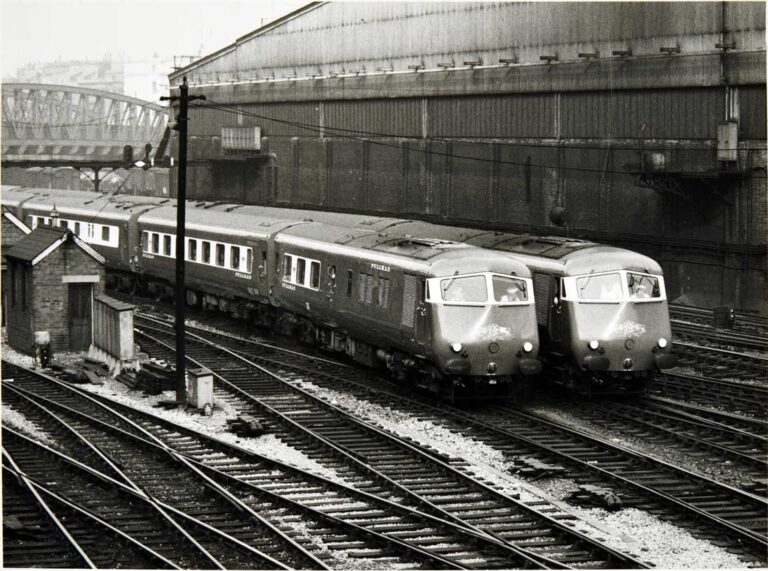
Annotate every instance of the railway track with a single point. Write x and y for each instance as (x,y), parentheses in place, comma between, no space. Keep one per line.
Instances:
(43,530)
(718,338)
(215,528)
(739,397)
(750,324)
(419,475)
(721,363)
(349,518)
(681,429)
(677,494)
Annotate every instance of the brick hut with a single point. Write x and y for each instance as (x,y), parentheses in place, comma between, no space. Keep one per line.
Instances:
(13,230)
(53,278)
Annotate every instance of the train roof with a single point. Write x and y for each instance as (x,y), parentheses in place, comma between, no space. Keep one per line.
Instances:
(568,256)
(80,202)
(238,224)
(438,257)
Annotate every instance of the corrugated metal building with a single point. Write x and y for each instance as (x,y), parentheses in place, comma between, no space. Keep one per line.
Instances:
(647,121)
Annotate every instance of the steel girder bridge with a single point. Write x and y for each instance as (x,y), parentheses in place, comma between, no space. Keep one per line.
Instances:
(64,126)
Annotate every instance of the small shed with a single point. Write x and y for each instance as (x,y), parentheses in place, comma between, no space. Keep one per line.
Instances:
(13,230)
(113,334)
(53,278)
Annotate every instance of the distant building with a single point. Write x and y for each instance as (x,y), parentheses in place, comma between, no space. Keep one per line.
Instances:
(145,79)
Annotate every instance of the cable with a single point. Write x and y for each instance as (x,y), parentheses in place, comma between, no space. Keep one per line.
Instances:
(317,129)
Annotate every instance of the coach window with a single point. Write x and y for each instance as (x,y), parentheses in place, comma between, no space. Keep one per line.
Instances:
(220,258)
(155,243)
(234,257)
(145,241)
(206,252)
(105,233)
(167,244)
(301,270)
(350,278)
(77,228)
(314,275)
(192,250)
(248,260)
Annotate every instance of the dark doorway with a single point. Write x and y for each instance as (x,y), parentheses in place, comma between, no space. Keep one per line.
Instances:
(80,316)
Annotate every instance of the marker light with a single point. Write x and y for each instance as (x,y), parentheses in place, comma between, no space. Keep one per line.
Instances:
(662,342)
(456,347)
(527,346)
(594,344)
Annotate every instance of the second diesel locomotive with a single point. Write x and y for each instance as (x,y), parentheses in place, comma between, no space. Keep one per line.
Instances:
(459,319)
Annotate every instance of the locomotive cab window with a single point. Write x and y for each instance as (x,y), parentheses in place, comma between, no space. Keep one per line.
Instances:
(472,289)
(614,287)
(643,286)
(509,290)
(604,287)
(145,241)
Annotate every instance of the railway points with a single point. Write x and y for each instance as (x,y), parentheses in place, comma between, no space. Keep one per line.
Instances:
(419,474)
(644,483)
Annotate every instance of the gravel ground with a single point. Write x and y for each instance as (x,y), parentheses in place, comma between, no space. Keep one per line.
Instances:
(644,535)
(630,530)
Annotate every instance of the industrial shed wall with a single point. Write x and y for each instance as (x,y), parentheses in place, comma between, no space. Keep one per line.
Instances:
(498,146)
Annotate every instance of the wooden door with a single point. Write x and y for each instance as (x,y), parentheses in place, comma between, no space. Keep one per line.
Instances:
(80,316)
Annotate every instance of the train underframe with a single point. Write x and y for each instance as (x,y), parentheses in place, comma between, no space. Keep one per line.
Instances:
(599,383)
(406,369)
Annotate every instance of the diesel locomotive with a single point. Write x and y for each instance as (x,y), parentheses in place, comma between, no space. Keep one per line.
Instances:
(455,318)
(602,311)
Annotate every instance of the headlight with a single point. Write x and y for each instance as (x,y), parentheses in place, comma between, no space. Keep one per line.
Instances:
(662,342)
(594,344)
(456,347)
(527,346)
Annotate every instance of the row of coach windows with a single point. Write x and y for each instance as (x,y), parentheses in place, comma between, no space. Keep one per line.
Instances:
(300,271)
(305,272)
(209,252)
(89,232)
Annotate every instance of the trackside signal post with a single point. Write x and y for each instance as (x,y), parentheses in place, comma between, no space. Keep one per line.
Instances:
(181,197)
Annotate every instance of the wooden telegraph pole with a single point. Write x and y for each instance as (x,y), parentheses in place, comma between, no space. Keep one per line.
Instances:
(181,196)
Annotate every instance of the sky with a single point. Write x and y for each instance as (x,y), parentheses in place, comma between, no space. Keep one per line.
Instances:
(39,31)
